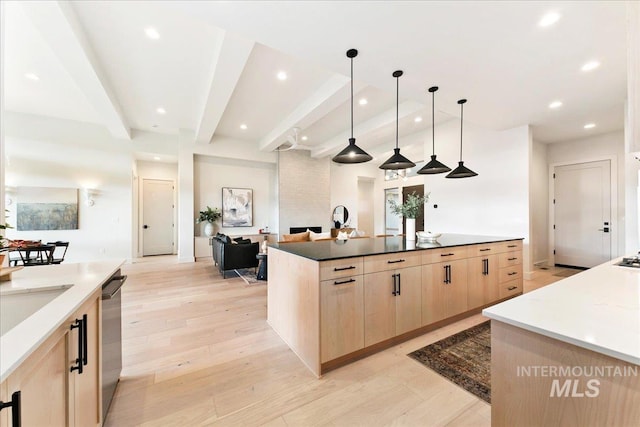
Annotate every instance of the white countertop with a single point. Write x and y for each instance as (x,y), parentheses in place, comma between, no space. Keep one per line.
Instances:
(86,277)
(598,309)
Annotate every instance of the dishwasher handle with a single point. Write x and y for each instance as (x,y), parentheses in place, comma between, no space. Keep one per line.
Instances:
(111,289)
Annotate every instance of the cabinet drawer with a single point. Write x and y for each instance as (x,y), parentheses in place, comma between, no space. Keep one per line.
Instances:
(340,268)
(511,288)
(507,274)
(508,259)
(432,256)
(483,249)
(510,246)
(393,261)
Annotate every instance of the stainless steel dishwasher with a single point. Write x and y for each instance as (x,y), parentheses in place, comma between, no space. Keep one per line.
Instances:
(111,338)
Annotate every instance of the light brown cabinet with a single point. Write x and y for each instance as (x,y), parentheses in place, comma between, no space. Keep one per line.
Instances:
(482,281)
(391,303)
(444,290)
(341,317)
(51,393)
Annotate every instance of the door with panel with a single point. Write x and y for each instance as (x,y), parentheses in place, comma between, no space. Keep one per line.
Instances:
(482,280)
(86,386)
(379,307)
(444,290)
(408,299)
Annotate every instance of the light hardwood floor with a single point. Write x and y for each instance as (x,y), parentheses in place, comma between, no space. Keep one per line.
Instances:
(197,351)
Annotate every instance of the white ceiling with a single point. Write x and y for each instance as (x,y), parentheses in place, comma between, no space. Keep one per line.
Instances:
(214,67)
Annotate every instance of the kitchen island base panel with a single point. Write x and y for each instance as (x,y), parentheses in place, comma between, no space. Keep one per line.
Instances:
(293,304)
(519,397)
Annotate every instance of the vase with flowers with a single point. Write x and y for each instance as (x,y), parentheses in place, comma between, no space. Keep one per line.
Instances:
(410,209)
(209,216)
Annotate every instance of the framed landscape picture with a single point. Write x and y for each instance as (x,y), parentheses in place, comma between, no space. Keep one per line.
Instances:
(44,208)
(237,207)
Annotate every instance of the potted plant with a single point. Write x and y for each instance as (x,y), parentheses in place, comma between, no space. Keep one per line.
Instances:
(209,216)
(410,209)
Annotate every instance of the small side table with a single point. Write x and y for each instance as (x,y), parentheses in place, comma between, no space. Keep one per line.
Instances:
(262,267)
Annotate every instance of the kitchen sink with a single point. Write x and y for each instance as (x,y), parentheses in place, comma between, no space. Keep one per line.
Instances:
(17,306)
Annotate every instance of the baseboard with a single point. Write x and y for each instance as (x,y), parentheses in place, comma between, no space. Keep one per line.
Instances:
(182,260)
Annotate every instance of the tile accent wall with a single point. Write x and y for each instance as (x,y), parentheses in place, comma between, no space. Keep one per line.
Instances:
(304,191)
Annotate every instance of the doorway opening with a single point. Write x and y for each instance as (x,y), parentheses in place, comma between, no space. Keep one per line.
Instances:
(157,223)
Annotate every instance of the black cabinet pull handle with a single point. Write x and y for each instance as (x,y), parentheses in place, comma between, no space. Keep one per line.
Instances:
(446,254)
(396,261)
(399,285)
(510,288)
(512,246)
(511,259)
(484,250)
(78,324)
(485,267)
(447,274)
(395,285)
(513,273)
(85,341)
(344,268)
(344,281)
(14,404)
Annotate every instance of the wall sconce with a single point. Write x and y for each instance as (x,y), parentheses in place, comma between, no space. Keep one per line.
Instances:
(90,194)
(9,194)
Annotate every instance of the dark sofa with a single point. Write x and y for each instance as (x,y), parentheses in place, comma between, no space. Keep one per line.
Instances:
(233,254)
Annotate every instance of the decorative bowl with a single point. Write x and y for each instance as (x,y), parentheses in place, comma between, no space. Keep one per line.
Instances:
(427,236)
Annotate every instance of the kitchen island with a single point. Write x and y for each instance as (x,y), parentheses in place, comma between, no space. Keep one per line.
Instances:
(569,353)
(336,301)
(50,342)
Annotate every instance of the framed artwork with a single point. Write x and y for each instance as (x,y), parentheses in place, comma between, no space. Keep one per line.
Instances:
(44,208)
(237,207)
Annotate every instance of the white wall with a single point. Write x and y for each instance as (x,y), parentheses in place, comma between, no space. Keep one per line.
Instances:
(44,152)
(496,202)
(539,203)
(599,147)
(213,173)
(344,188)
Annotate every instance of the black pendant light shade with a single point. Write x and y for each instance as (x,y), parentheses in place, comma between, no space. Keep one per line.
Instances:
(434,166)
(353,153)
(397,160)
(461,171)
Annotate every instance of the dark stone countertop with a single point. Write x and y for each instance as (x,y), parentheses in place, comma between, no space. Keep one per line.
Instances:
(325,250)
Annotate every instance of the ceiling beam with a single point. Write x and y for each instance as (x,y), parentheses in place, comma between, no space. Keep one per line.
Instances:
(58,24)
(329,96)
(341,140)
(230,58)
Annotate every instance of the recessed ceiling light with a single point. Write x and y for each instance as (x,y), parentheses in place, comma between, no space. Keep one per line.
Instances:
(549,19)
(589,125)
(591,65)
(152,33)
(282,75)
(555,104)
(243,127)
(417,119)
(363,101)
(32,76)
(156,158)
(161,110)
(304,137)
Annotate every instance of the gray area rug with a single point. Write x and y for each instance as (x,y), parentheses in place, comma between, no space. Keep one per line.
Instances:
(463,358)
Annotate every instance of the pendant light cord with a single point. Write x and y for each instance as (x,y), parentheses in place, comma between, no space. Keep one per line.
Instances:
(461,120)
(397,106)
(433,122)
(351,98)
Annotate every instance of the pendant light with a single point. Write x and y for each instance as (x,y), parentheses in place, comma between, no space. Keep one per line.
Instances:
(352,153)
(433,166)
(397,160)
(461,171)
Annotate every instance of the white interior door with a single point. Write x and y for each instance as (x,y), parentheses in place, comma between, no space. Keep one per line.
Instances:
(391,221)
(365,206)
(582,214)
(157,217)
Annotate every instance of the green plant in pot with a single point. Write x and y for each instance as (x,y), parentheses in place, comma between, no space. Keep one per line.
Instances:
(410,209)
(209,216)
